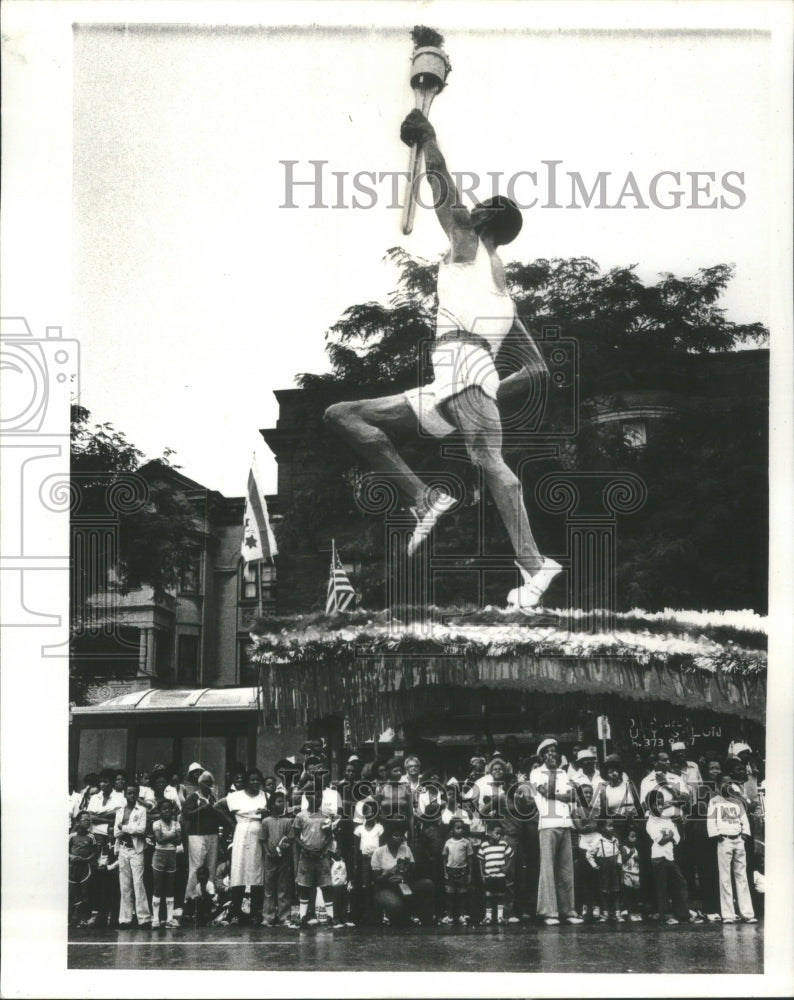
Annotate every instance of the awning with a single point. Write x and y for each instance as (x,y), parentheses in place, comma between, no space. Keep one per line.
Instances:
(169,700)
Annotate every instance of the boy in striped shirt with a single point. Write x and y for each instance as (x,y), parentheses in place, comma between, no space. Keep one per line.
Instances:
(494,855)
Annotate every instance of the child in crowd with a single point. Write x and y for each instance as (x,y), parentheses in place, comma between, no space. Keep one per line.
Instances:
(727,822)
(201,903)
(494,855)
(274,835)
(313,833)
(83,849)
(369,835)
(668,878)
(630,869)
(223,901)
(167,834)
(105,886)
(457,855)
(586,832)
(603,855)
(474,831)
(341,887)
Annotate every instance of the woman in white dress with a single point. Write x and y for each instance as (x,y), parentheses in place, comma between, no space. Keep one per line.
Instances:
(248,807)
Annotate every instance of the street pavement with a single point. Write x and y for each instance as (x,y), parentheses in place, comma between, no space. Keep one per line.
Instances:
(600,948)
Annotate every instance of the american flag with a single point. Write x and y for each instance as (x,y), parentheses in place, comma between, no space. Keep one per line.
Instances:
(340,590)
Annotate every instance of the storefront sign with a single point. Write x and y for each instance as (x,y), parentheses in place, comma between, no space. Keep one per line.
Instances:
(660,733)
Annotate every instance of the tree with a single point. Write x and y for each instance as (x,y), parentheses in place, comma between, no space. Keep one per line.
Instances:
(707,479)
(130,528)
(620,323)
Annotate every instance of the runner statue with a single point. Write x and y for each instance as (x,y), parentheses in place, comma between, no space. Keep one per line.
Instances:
(475,316)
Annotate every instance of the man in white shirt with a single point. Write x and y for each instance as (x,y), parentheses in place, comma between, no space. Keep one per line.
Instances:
(672,796)
(728,823)
(584,769)
(688,769)
(554,794)
(130,830)
(104,805)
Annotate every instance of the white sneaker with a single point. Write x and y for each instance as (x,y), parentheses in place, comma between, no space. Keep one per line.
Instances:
(155,922)
(440,503)
(534,586)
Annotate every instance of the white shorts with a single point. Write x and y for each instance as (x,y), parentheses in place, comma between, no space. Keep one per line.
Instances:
(457,365)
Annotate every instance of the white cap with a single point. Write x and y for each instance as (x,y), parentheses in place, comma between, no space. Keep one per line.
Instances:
(195,766)
(677,746)
(546,743)
(585,755)
(737,748)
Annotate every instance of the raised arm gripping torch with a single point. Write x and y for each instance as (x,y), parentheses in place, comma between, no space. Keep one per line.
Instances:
(429,68)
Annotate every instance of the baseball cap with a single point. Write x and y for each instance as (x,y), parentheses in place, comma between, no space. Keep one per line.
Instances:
(544,744)
(585,755)
(195,766)
(677,746)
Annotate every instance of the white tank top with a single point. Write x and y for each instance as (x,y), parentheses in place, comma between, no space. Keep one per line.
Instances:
(469,299)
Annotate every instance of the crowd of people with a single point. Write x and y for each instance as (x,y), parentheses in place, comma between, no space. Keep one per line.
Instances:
(548,838)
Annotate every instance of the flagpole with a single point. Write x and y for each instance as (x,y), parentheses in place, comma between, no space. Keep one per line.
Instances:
(333,569)
(259,563)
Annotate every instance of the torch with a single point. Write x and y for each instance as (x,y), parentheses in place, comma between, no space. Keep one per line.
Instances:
(429,68)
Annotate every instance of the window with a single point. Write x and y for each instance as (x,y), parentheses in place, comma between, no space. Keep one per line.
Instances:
(187,671)
(249,672)
(635,433)
(151,750)
(163,652)
(190,581)
(250,583)
(101,748)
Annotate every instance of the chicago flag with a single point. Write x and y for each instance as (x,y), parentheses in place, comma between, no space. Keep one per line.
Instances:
(258,539)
